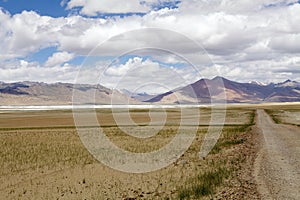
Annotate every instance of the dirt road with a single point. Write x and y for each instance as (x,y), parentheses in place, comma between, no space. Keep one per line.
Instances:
(277,167)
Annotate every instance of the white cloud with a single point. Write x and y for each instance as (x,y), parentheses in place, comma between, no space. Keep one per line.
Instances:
(265,71)
(138,74)
(92,7)
(231,6)
(59,58)
(26,32)
(288,43)
(241,36)
(121,70)
(221,33)
(31,71)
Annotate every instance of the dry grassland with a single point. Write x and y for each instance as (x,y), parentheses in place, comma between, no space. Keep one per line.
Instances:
(42,157)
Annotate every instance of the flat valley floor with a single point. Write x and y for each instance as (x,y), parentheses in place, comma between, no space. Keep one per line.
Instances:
(255,157)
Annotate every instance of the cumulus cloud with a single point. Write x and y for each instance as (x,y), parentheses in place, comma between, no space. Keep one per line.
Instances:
(233,7)
(59,58)
(221,33)
(288,43)
(93,7)
(265,71)
(32,71)
(141,73)
(136,74)
(246,39)
(26,32)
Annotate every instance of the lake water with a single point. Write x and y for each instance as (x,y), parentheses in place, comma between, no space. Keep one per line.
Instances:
(70,107)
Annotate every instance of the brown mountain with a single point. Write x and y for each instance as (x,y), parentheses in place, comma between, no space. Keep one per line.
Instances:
(202,91)
(35,93)
(206,91)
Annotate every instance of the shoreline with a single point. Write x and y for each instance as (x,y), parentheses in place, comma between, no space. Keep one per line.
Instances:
(135,106)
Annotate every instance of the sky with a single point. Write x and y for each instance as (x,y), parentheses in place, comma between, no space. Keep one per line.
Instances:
(149,45)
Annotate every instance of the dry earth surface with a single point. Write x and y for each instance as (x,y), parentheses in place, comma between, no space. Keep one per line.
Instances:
(42,157)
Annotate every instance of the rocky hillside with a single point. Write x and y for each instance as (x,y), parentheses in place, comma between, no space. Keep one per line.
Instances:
(36,93)
(202,91)
(206,90)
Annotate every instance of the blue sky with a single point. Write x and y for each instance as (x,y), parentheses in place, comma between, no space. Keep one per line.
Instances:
(245,40)
(58,8)
(51,8)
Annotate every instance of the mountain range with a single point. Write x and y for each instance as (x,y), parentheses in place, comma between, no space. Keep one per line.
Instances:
(202,91)
(212,90)
(37,93)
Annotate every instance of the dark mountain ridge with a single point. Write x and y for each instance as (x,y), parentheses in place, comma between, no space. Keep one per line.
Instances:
(215,90)
(39,93)
(208,90)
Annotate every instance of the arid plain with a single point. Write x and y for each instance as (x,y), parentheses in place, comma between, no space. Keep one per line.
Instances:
(42,156)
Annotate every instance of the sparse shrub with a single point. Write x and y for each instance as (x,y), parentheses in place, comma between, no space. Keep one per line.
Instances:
(273,116)
(202,190)
(184,194)
(206,183)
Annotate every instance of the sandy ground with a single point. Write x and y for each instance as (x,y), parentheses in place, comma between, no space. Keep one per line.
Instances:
(290,116)
(244,184)
(277,168)
(41,162)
